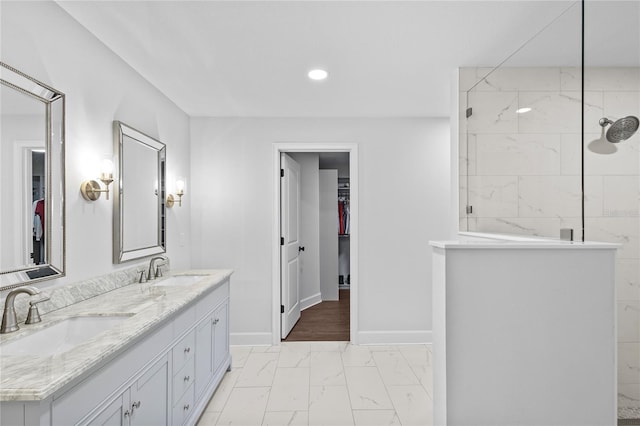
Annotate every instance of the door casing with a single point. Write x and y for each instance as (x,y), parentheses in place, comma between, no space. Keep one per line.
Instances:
(352,149)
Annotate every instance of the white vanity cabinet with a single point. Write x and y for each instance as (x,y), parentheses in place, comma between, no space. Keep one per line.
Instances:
(165,378)
(144,403)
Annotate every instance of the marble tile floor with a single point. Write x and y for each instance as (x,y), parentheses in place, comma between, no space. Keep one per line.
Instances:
(325,383)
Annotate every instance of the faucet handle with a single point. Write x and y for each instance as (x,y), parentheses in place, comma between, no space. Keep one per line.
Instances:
(34,316)
(159,269)
(142,277)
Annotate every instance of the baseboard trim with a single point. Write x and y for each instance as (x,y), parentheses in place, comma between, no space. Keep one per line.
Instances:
(310,301)
(395,337)
(250,339)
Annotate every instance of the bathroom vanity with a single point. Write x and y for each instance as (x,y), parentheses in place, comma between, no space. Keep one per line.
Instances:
(524,332)
(155,354)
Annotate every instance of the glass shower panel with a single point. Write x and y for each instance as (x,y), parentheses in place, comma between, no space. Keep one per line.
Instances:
(612,169)
(521,143)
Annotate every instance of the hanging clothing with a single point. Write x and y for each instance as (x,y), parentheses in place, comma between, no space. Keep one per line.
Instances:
(340,217)
(347,220)
(38,219)
(343,216)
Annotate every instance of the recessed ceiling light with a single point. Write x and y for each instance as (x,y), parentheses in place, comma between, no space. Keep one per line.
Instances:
(318,74)
(523,110)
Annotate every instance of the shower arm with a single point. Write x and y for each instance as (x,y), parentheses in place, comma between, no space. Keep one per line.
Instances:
(604,122)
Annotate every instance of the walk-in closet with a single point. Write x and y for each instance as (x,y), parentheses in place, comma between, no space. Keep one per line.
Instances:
(325,225)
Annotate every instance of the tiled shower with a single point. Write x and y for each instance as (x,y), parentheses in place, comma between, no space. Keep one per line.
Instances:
(530,141)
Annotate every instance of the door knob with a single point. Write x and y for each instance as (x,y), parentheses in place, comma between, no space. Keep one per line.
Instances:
(300,249)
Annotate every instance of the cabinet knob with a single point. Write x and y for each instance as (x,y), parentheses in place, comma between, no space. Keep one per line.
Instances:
(187,350)
(216,321)
(187,378)
(186,407)
(135,405)
(127,413)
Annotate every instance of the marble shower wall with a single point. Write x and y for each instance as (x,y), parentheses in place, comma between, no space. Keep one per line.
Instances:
(522,172)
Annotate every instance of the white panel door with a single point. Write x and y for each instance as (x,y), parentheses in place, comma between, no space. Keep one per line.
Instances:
(290,243)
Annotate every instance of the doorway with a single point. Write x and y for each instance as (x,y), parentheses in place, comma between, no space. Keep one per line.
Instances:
(340,309)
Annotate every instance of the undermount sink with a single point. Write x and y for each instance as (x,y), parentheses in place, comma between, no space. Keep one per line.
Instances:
(61,336)
(180,280)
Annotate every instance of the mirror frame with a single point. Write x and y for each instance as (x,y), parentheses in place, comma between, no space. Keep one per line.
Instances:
(54,102)
(120,130)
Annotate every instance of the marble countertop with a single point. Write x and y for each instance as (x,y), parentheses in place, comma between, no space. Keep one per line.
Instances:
(560,245)
(473,240)
(32,378)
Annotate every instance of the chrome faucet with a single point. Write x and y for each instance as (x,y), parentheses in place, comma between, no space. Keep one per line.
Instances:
(9,318)
(151,274)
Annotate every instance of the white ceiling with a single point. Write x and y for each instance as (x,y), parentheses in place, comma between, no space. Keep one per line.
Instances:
(385,58)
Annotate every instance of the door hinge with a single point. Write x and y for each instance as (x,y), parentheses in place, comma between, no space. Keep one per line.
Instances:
(282,309)
(281,172)
(469,112)
(469,209)
(281,241)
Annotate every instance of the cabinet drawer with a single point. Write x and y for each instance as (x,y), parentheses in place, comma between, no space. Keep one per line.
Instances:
(184,350)
(182,410)
(183,379)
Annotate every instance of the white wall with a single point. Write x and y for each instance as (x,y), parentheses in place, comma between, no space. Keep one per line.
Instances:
(309,228)
(404,169)
(329,234)
(42,40)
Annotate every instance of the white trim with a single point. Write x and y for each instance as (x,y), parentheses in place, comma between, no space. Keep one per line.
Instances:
(310,301)
(352,149)
(396,337)
(250,339)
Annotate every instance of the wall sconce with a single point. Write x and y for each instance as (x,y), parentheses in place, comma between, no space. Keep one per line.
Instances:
(179,193)
(91,189)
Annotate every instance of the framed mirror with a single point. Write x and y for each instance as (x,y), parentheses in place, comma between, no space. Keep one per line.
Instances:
(32,188)
(139,211)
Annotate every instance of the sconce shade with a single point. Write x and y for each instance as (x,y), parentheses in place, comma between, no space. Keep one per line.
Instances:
(107,167)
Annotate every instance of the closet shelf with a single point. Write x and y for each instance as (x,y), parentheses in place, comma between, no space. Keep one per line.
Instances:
(344,235)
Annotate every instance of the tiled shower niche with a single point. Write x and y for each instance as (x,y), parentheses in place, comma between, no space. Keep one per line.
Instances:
(521,173)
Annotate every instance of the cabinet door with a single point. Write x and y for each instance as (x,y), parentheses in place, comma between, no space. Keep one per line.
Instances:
(149,396)
(11,413)
(220,334)
(114,414)
(204,360)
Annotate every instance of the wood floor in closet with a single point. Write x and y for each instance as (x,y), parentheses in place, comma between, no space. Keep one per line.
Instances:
(326,321)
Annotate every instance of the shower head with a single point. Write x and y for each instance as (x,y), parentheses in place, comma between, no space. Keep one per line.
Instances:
(621,129)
